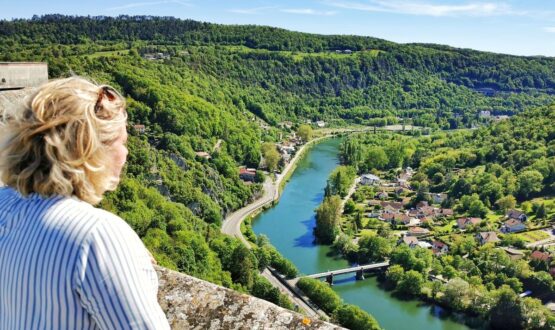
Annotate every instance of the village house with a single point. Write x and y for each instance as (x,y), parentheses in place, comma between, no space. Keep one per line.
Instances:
(516,214)
(411,241)
(439,248)
(369,180)
(418,231)
(462,223)
(139,128)
(512,226)
(446,212)
(424,244)
(394,205)
(321,123)
(438,198)
(540,256)
(247,174)
(513,254)
(487,237)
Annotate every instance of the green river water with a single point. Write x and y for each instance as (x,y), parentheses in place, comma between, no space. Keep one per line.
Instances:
(289,226)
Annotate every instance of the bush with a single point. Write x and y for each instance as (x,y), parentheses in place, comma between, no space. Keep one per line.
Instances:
(320,293)
(354,318)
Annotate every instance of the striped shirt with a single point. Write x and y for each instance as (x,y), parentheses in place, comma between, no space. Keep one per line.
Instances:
(67,265)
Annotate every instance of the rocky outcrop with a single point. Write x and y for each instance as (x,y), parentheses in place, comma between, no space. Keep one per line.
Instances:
(190,303)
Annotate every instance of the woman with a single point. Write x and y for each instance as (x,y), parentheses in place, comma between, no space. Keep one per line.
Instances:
(65,264)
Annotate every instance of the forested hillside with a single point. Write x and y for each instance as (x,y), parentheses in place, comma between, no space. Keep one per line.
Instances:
(217,85)
(280,74)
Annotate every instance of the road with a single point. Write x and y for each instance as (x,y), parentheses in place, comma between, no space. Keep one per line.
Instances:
(232,227)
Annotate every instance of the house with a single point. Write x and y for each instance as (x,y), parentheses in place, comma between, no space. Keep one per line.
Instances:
(516,214)
(462,223)
(401,219)
(374,202)
(487,237)
(321,123)
(347,51)
(514,254)
(394,205)
(424,245)
(439,248)
(446,212)
(203,155)
(369,180)
(513,226)
(382,195)
(247,174)
(411,241)
(139,128)
(422,204)
(540,256)
(418,231)
(438,198)
(406,201)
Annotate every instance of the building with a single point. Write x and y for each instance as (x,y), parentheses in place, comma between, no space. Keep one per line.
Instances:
(321,123)
(462,223)
(516,214)
(369,179)
(418,231)
(438,198)
(411,241)
(247,174)
(203,155)
(19,75)
(382,195)
(487,237)
(513,226)
(439,248)
(139,128)
(514,254)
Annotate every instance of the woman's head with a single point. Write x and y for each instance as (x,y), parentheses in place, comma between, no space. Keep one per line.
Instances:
(69,139)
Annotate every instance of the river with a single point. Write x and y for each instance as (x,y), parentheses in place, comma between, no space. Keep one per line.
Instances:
(289,226)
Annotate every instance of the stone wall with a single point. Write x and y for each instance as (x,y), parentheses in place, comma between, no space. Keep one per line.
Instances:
(190,303)
(14,75)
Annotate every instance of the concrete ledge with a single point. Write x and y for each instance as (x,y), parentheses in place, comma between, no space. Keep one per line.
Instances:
(191,303)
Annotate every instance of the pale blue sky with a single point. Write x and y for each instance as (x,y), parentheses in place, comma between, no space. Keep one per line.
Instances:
(513,27)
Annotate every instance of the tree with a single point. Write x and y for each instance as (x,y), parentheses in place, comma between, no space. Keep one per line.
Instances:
(506,312)
(271,155)
(457,294)
(506,203)
(373,248)
(243,266)
(321,293)
(394,274)
(541,213)
(328,215)
(376,158)
(305,132)
(353,317)
(529,182)
(411,283)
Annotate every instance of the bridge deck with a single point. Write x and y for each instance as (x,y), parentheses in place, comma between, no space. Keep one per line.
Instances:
(350,270)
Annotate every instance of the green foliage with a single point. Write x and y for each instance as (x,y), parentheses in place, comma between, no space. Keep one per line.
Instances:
(340,180)
(328,215)
(373,248)
(353,317)
(305,132)
(320,293)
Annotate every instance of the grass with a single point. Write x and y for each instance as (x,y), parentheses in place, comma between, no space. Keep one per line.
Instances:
(533,236)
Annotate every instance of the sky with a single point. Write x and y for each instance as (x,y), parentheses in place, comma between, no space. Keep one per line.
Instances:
(510,27)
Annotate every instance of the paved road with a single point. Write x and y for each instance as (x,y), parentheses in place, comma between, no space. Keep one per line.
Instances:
(232,226)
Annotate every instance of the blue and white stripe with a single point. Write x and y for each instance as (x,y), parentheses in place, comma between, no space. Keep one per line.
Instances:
(67,265)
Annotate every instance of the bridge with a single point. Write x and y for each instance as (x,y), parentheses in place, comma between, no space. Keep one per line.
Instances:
(358,270)
(350,270)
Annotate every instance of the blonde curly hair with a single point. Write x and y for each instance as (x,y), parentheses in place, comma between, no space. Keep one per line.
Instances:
(58,143)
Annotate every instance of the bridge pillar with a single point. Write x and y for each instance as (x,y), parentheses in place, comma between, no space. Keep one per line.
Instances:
(329,279)
(360,275)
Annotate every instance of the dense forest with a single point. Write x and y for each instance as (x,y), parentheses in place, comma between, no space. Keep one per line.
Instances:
(224,90)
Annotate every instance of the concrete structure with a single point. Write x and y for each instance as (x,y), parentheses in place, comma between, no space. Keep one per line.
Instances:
(18,75)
